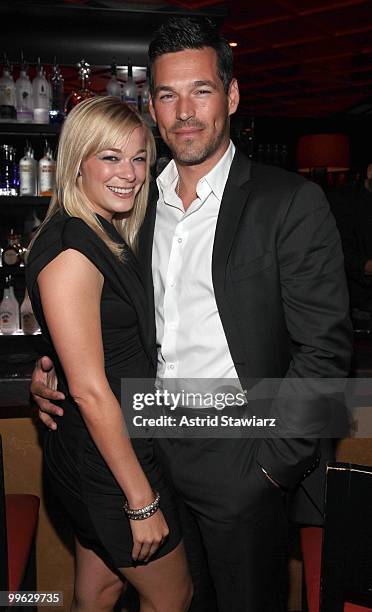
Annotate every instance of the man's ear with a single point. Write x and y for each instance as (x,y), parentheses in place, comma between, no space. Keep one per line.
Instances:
(233,96)
(151,109)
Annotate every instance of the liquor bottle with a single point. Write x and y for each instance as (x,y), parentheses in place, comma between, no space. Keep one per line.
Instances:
(28,173)
(23,86)
(130,95)
(8,171)
(11,255)
(50,93)
(56,113)
(41,96)
(47,172)
(9,310)
(83,92)
(145,98)
(7,94)
(113,87)
(29,324)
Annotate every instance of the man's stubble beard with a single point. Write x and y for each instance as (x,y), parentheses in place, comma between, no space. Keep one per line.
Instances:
(189,157)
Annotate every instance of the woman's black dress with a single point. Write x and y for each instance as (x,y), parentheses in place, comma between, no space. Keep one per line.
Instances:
(78,473)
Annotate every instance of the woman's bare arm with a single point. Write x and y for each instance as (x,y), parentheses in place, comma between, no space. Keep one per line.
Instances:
(70,289)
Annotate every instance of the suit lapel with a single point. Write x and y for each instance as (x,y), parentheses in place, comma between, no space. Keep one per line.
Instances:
(237,190)
(235,196)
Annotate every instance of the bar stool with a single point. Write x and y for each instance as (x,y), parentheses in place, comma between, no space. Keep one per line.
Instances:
(337,559)
(18,522)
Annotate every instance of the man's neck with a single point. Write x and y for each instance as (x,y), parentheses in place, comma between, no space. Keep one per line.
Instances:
(189,176)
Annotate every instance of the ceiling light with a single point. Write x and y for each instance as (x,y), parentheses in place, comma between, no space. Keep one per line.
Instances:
(233,43)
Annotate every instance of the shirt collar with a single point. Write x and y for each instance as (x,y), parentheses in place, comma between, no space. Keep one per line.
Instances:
(215,179)
(167,182)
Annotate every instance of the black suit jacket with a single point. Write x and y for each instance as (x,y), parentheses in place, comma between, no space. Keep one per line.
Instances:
(279,283)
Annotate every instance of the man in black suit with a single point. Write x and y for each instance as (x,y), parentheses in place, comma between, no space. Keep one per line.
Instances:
(246,268)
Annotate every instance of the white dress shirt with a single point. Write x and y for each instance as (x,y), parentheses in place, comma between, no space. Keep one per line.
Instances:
(190,337)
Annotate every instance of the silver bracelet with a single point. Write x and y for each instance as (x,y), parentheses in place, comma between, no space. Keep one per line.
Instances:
(139,514)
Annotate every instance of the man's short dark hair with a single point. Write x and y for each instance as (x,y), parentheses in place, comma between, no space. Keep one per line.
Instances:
(180,33)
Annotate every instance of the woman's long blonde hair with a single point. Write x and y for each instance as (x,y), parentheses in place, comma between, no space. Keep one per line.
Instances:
(92,126)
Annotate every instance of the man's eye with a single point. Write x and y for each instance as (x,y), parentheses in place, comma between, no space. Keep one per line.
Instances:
(166,96)
(203,91)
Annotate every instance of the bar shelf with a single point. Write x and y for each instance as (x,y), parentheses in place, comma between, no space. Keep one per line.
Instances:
(29,129)
(12,202)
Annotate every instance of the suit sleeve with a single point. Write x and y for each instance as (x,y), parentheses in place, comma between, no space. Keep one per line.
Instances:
(316,305)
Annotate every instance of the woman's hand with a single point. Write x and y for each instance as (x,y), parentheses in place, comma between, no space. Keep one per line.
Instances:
(148,535)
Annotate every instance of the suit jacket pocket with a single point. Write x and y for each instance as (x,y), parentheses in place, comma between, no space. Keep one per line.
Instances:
(253,266)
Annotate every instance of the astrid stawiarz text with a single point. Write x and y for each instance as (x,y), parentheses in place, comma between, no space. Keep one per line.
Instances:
(216,420)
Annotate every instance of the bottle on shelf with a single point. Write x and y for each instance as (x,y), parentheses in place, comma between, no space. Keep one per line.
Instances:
(50,93)
(83,92)
(113,87)
(9,181)
(130,95)
(41,95)
(7,94)
(47,172)
(11,255)
(28,173)
(56,113)
(23,86)
(145,98)
(29,324)
(9,310)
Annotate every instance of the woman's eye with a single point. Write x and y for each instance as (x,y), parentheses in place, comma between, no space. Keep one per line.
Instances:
(140,159)
(110,158)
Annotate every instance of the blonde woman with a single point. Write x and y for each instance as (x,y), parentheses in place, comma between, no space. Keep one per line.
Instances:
(87,294)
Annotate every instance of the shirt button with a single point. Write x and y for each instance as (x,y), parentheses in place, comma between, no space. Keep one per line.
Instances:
(180,240)
(172,283)
(171,366)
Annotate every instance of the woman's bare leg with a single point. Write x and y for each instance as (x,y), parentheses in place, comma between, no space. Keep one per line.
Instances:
(163,585)
(96,586)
